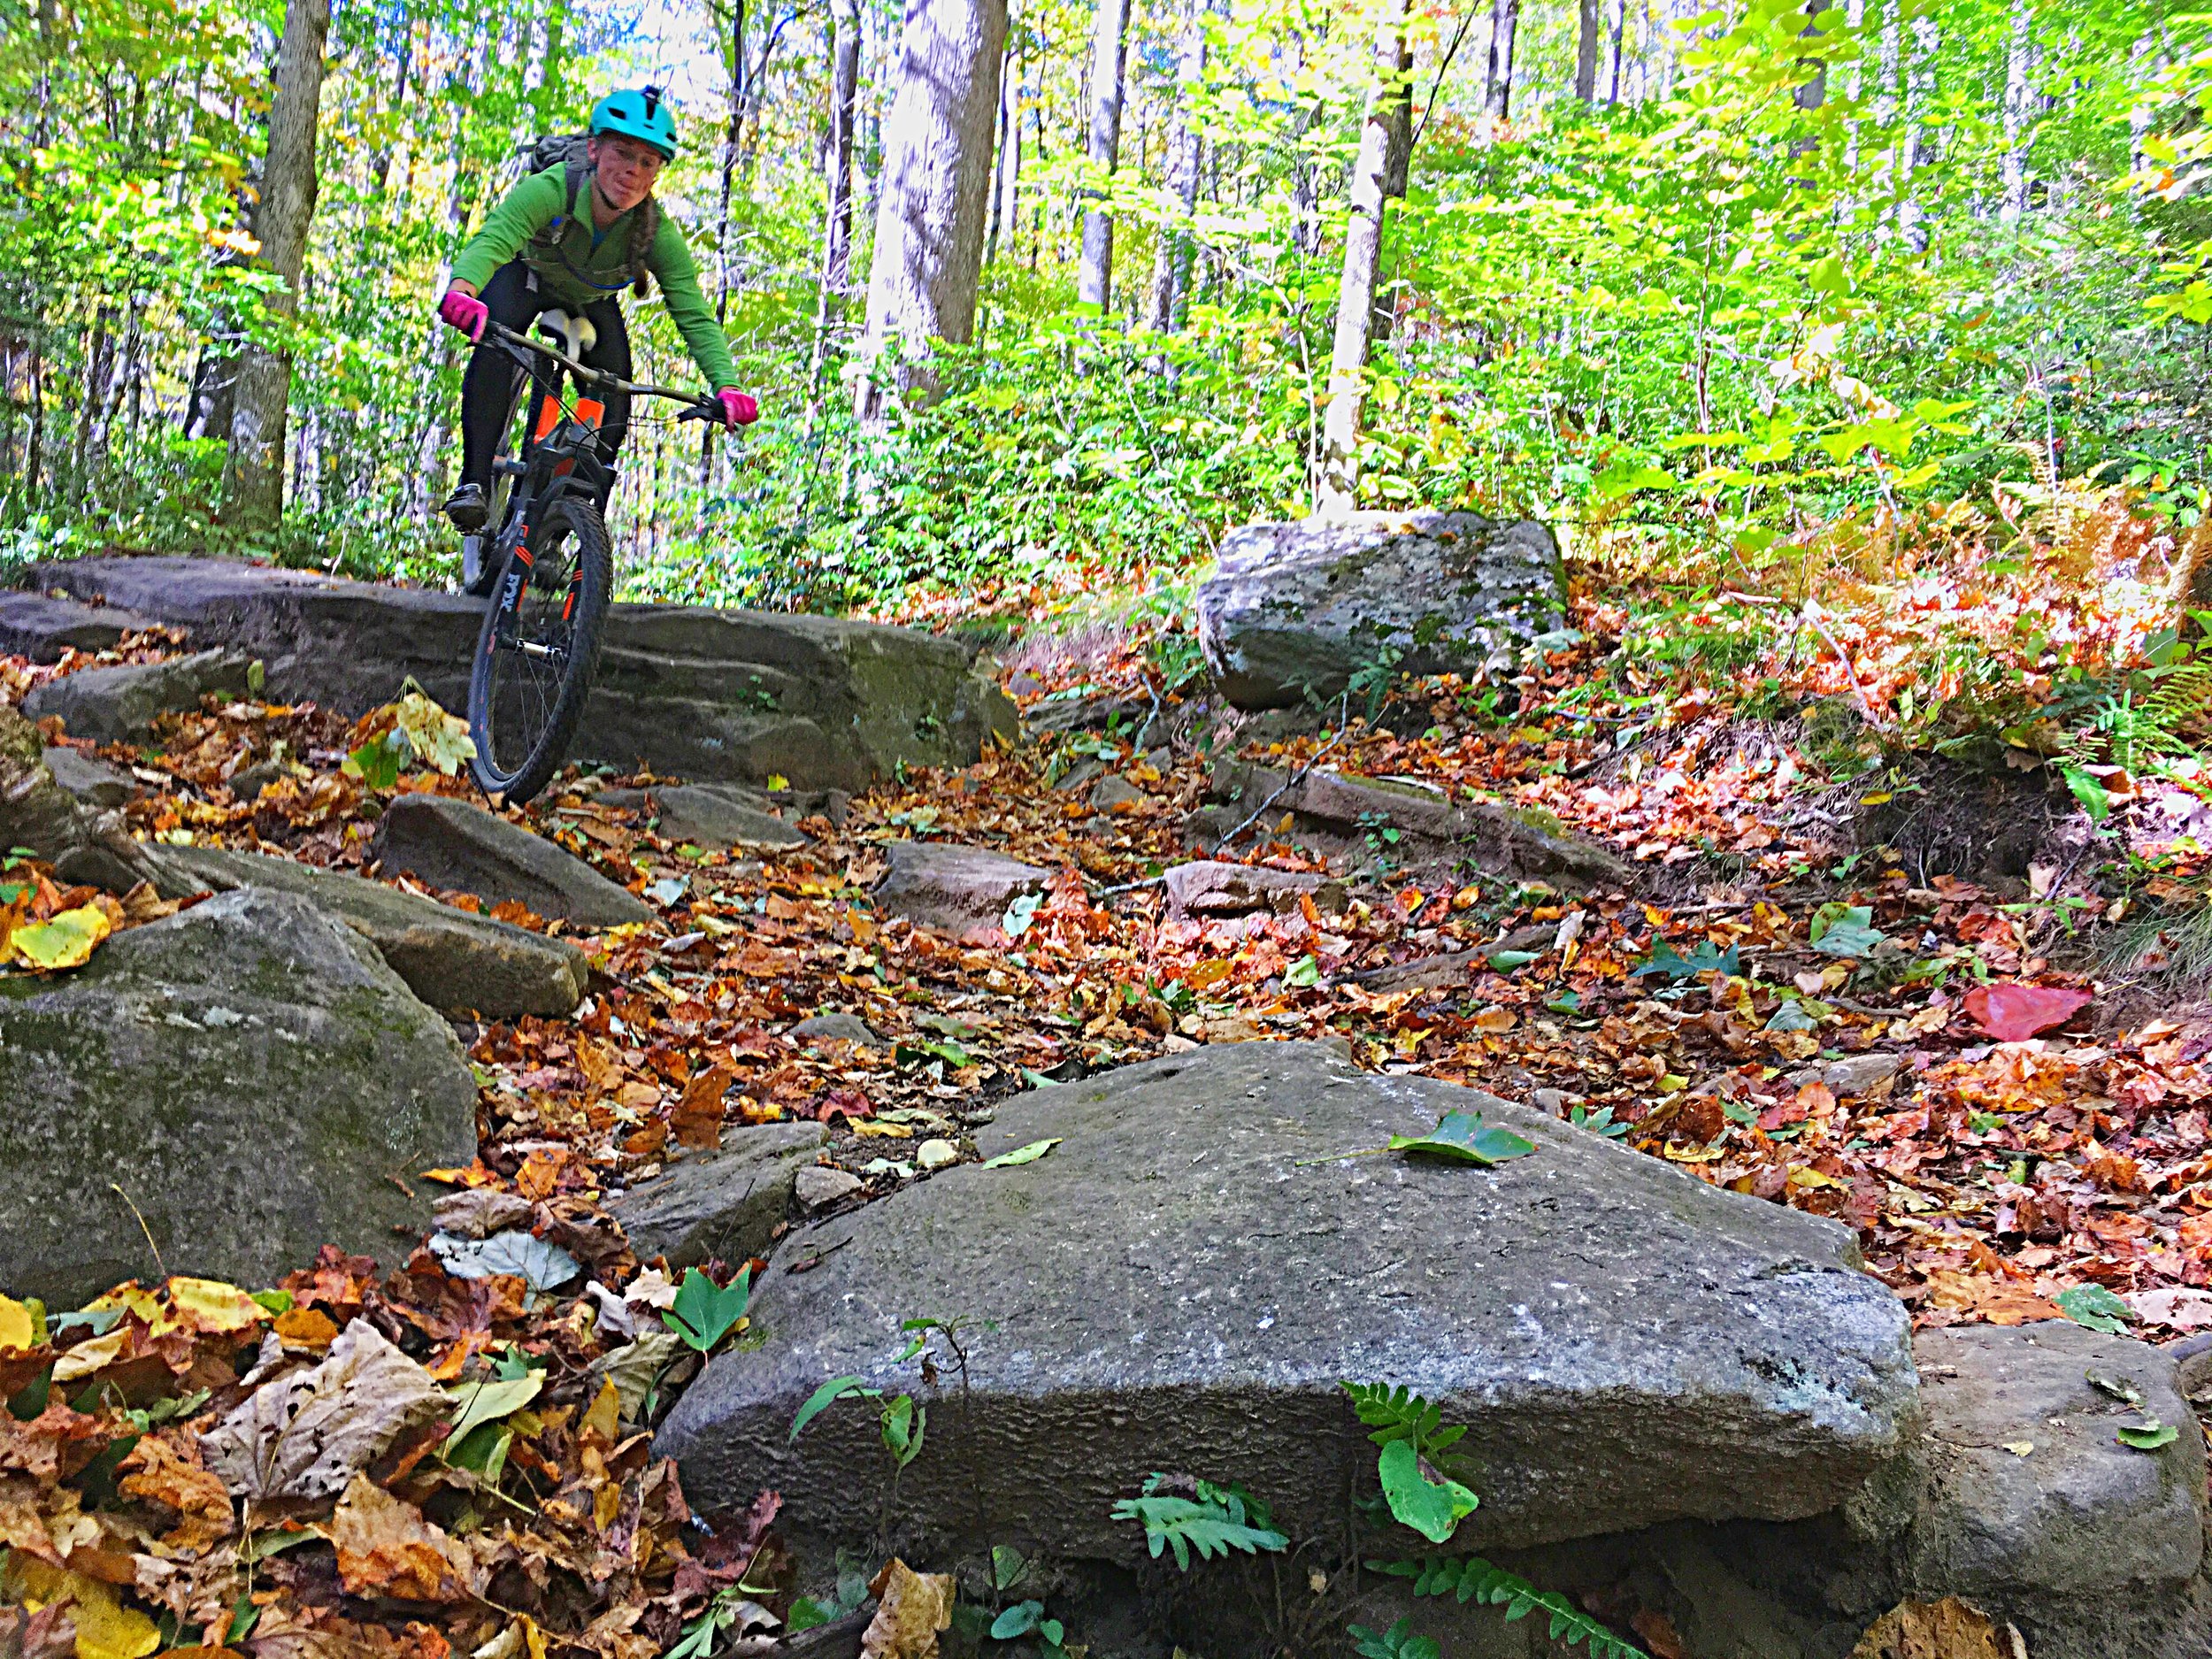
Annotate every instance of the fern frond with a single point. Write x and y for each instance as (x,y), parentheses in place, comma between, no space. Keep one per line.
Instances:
(1399,1414)
(1213,1525)
(1471,1579)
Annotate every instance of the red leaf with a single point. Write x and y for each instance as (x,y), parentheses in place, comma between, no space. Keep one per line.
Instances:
(2013,1013)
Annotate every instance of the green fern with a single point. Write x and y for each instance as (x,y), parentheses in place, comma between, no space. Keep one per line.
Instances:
(1218,1520)
(1474,1579)
(1399,1414)
(1397,1642)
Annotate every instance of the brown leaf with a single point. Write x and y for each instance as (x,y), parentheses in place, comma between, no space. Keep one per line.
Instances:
(165,1469)
(697,1119)
(48,1633)
(386,1547)
(305,1435)
(1948,1629)
(912,1608)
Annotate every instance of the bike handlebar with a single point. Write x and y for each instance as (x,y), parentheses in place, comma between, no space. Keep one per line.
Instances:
(701,408)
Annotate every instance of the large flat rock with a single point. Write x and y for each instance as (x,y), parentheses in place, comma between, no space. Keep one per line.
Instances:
(118,704)
(458,846)
(688,691)
(453,961)
(724,1202)
(940,884)
(1168,1289)
(41,627)
(250,1076)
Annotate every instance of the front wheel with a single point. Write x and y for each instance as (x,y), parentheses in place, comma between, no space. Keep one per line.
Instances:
(537,651)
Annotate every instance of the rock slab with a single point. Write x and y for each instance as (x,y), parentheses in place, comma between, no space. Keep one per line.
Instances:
(91,780)
(2029,1491)
(456,845)
(688,691)
(248,1072)
(706,814)
(119,704)
(1170,1291)
(41,627)
(1294,610)
(940,884)
(724,1204)
(455,962)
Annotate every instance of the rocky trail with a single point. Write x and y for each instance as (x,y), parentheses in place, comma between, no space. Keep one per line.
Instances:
(1002,1095)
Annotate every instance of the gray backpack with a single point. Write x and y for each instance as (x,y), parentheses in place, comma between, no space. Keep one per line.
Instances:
(567,150)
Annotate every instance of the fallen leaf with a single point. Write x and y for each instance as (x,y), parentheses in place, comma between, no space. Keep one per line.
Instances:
(2013,1013)
(48,1633)
(106,1628)
(1948,1629)
(306,1435)
(697,1119)
(1029,1153)
(912,1608)
(196,1307)
(67,940)
(543,1266)
(386,1548)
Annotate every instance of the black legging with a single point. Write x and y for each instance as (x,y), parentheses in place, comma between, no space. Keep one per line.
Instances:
(513,298)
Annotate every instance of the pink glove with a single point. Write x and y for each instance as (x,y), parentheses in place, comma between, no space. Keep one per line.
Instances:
(737,410)
(466,312)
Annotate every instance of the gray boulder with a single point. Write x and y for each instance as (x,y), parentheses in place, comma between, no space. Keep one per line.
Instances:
(458,846)
(41,627)
(118,704)
(939,885)
(453,961)
(1167,1288)
(1295,608)
(837,1028)
(250,1076)
(81,841)
(707,815)
(688,691)
(726,1203)
(91,780)
(1207,887)
(2029,1491)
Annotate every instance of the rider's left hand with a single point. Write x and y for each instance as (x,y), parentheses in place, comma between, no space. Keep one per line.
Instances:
(737,410)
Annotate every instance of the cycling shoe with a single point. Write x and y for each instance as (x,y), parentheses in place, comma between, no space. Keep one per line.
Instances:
(466,509)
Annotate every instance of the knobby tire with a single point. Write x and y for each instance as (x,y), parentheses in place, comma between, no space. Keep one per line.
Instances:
(522,719)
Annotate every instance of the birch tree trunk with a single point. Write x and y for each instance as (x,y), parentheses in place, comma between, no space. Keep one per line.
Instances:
(1171,266)
(1505,23)
(837,163)
(1094,282)
(936,172)
(253,480)
(1385,147)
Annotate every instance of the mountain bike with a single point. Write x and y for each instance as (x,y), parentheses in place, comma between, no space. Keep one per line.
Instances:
(547,566)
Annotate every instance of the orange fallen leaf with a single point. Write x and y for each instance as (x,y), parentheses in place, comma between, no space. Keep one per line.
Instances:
(697,1119)
(386,1547)
(912,1608)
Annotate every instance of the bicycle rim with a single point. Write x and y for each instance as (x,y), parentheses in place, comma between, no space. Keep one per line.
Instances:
(536,653)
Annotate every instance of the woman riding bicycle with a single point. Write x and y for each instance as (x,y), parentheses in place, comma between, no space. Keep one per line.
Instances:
(536,251)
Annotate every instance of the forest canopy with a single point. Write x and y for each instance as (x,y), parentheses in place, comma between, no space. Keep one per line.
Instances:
(1691,283)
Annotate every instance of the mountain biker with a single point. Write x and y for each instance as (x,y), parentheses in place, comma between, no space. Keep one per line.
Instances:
(537,251)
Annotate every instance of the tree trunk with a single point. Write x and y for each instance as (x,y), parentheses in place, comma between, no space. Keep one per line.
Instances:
(1172,266)
(1094,281)
(2019,66)
(253,480)
(1811,94)
(1505,22)
(1006,184)
(1588,25)
(1385,148)
(936,171)
(837,234)
(1620,27)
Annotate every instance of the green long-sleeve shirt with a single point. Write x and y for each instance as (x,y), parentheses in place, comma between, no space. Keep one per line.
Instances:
(579,264)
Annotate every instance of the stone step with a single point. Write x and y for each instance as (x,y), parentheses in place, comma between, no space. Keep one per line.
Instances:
(686,691)
(1168,1289)
(456,845)
(455,962)
(41,627)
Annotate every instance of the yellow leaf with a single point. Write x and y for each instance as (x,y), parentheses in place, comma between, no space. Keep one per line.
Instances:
(18,1330)
(778,783)
(106,1628)
(201,1307)
(872,1129)
(66,942)
(605,1416)
(1806,1176)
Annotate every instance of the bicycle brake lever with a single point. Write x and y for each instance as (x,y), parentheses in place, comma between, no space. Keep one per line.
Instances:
(701,412)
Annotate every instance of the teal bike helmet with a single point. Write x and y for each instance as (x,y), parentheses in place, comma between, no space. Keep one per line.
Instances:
(637,113)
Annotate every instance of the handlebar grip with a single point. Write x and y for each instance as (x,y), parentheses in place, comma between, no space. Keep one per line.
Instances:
(702,411)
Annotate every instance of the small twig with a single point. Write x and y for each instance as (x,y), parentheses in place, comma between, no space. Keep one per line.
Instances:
(160,1267)
(1131,887)
(1866,707)
(1296,778)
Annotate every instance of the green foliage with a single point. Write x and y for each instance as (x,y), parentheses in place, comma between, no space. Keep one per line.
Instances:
(1432,1507)
(1463,1138)
(1664,958)
(1398,1642)
(2097,1308)
(1215,1521)
(703,1313)
(1471,1579)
